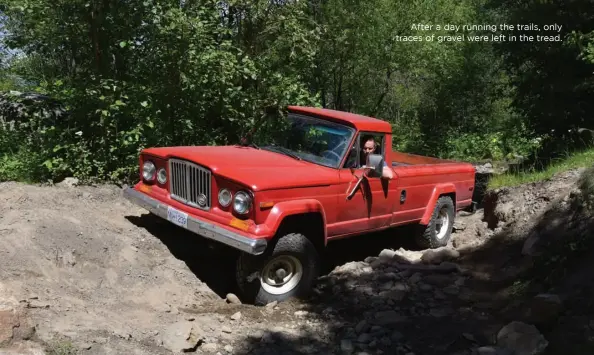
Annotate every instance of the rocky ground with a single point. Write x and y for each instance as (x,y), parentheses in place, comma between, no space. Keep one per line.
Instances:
(82,271)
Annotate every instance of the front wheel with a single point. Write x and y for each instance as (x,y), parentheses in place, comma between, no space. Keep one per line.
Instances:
(288,270)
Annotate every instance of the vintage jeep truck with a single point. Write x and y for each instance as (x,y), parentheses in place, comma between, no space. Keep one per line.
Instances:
(281,204)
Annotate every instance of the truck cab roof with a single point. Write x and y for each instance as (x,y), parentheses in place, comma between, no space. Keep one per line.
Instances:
(359,122)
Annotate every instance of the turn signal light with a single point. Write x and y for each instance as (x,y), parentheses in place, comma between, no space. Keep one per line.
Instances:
(264,205)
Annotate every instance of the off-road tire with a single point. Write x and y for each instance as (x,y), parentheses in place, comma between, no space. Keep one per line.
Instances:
(428,237)
(295,245)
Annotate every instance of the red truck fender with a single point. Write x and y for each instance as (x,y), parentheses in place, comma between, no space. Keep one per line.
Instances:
(439,190)
(285,209)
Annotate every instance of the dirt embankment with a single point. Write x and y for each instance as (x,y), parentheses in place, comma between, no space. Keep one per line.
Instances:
(84,271)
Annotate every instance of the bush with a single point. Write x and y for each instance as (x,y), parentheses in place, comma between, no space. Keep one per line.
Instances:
(496,146)
(25,121)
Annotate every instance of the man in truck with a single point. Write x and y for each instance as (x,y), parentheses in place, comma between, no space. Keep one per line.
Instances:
(369,147)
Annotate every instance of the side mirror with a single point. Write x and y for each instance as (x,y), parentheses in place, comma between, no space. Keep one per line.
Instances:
(375,163)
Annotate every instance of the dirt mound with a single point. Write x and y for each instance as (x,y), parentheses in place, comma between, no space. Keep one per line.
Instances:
(88,272)
(515,206)
(561,250)
(537,257)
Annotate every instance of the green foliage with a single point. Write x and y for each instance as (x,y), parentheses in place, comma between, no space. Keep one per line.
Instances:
(431,92)
(140,73)
(26,124)
(154,73)
(465,146)
(23,165)
(494,146)
(553,82)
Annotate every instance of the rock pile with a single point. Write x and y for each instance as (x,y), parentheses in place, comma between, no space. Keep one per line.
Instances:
(402,290)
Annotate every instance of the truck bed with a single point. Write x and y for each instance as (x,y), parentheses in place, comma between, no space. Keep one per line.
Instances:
(419,175)
(405,159)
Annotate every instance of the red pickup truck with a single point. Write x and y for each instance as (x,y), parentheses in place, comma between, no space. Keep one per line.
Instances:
(324,177)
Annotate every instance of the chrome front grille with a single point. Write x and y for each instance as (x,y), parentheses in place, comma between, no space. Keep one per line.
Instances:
(189,183)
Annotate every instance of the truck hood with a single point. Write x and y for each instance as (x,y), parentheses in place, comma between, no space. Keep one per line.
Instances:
(256,168)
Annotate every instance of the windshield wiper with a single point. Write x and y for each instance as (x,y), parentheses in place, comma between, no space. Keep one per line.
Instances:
(284,151)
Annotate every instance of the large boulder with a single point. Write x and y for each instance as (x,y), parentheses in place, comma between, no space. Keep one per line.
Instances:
(522,339)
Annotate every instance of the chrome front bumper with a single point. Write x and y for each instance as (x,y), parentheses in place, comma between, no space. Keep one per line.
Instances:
(202,228)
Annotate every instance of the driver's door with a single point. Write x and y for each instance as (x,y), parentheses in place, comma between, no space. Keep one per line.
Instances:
(370,207)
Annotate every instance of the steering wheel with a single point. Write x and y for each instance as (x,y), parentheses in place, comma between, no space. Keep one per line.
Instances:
(331,152)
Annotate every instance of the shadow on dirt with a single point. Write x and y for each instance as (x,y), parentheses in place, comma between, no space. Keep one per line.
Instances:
(358,248)
(556,256)
(481,181)
(364,304)
(394,307)
(389,308)
(214,264)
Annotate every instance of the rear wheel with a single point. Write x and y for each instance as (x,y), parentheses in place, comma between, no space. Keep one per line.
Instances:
(439,230)
(288,270)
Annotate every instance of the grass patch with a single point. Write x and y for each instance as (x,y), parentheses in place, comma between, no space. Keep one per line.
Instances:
(23,165)
(578,160)
(63,347)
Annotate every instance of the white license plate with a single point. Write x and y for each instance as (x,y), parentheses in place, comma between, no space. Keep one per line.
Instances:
(177,217)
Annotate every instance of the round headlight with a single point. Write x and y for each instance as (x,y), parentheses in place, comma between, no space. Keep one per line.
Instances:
(242,202)
(162,176)
(225,197)
(148,171)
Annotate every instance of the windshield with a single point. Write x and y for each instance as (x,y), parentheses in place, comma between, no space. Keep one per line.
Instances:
(312,139)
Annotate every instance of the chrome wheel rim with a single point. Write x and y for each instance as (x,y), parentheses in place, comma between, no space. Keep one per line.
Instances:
(442,223)
(281,274)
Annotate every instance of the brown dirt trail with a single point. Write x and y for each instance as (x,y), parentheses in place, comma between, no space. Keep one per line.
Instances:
(83,265)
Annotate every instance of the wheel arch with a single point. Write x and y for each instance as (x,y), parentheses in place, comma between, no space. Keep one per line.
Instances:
(439,191)
(310,224)
(306,216)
